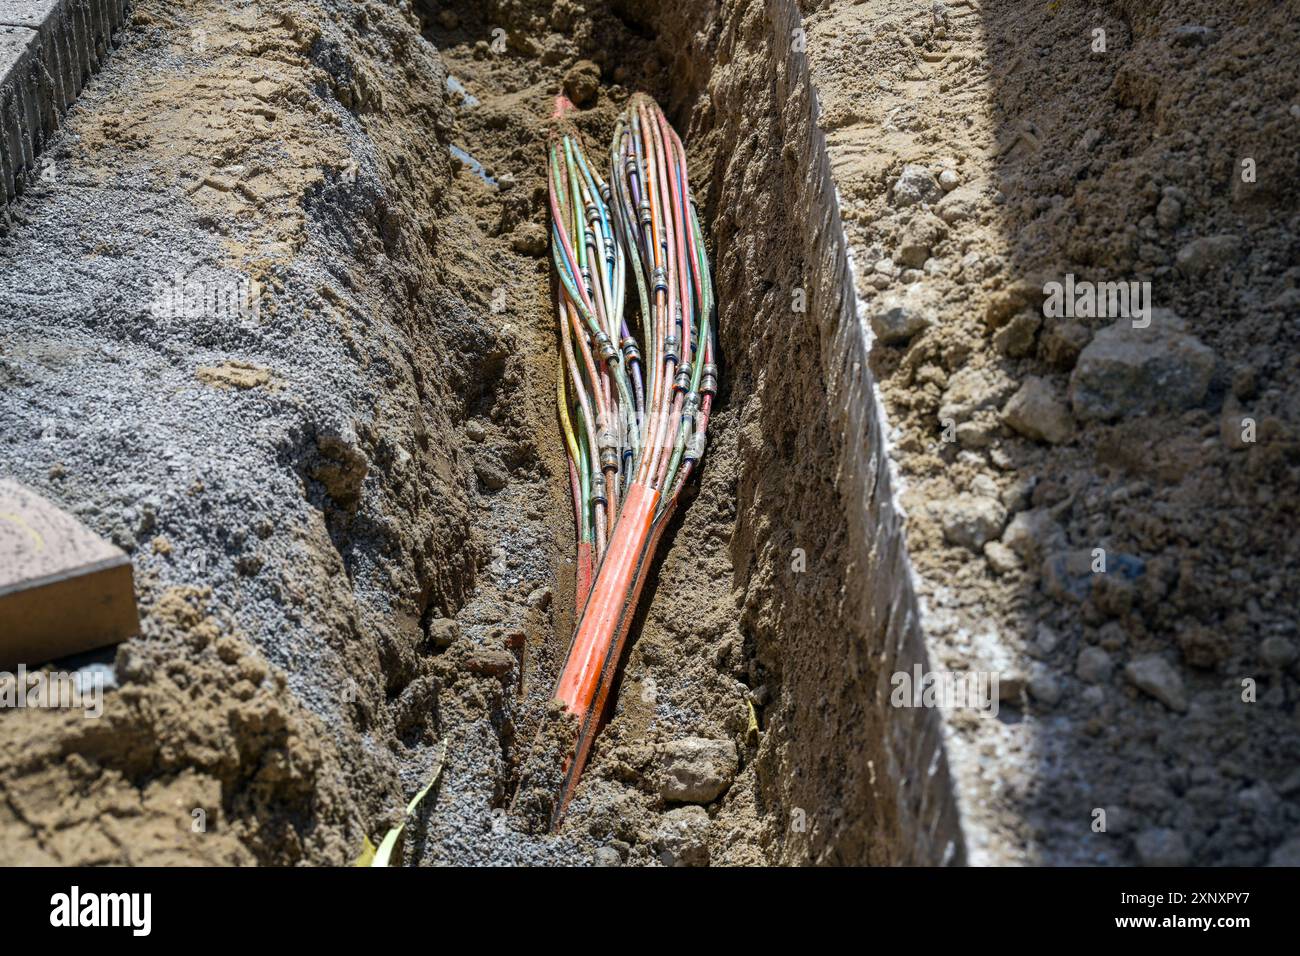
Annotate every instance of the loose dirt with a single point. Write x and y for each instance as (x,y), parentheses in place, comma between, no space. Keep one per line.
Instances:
(1111,164)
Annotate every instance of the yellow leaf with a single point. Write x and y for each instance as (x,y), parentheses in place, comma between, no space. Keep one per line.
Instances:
(383,855)
(367,853)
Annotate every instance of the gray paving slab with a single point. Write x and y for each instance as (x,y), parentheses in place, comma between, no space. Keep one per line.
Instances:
(48,50)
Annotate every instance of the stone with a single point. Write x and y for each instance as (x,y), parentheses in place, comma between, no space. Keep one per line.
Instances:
(1011,687)
(490,662)
(1032,532)
(1159,846)
(1208,252)
(915,185)
(1046,640)
(1067,575)
(582,83)
(443,632)
(1168,212)
(1062,342)
(949,180)
(1035,412)
(695,769)
(1276,652)
(976,433)
(530,239)
(1007,301)
(971,389)
(900,316)
(1001,559)
(1128,372)
(606,856)
(1044,688)
(1157,677)
(921,234)
(1016,338)
(1093,665)
(970,521)
(959,205)
(1192,34)
(682,837)
(491,475)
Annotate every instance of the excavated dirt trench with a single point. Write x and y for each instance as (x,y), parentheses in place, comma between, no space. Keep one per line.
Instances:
(348,513)
(754,602)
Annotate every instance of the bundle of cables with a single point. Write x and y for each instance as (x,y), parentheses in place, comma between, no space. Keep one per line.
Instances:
(634,422)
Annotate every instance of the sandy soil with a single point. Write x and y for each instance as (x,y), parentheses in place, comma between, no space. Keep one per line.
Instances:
(1113,165)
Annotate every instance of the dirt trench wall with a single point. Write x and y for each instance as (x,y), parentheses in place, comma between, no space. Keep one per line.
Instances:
(277,457)
(822,577)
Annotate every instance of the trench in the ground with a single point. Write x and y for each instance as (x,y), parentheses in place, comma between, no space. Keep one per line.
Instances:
(766,602)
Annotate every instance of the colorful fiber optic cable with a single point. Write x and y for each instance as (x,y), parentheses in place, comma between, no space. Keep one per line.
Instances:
(634,425)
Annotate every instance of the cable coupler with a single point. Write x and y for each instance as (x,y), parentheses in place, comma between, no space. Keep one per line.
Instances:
(709,379)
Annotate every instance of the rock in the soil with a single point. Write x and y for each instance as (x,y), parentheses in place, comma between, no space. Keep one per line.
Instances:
(1016,338)
(1169,211)
(1208,252)
(529,240)
(949,180)
(977,433)
(1157,677)
(1162,847)
(971,521)
(1062,343)
(1045,642)
(1067,575)
(490,662)
(683,837)
(1277,652)
(491,475)
(582,82)
(1192,34)
(1001,559)
(606,856)
(1016,296)
(959,205)
(923,232)
(443,632)
(916,185)
(695,769)
(1045,688)
(1032,532)
(1093,666)
(1126,371)
(901,316)
(971,389)
(1035,412)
